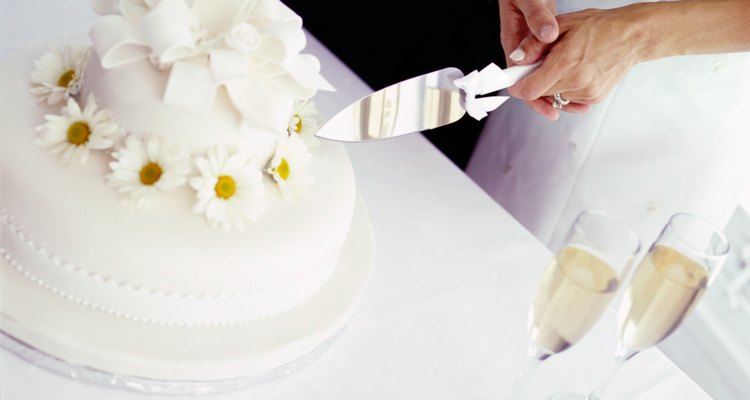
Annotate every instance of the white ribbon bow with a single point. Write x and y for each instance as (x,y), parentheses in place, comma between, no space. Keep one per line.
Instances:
(490,79)
(261,48)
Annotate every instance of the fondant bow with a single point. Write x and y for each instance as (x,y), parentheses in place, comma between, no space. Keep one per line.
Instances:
(244,45)
(490,79)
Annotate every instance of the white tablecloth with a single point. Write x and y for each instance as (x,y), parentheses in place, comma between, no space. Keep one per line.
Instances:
(444,316)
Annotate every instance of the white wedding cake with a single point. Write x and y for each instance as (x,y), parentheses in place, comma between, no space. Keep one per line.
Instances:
(166,210)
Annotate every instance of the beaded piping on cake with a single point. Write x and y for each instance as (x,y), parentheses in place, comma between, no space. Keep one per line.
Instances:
(75,132)
(17,230)
(135,318)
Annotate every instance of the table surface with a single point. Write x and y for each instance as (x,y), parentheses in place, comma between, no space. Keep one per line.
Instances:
(444,316)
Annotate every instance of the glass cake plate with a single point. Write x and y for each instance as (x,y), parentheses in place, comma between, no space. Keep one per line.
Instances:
(151,386)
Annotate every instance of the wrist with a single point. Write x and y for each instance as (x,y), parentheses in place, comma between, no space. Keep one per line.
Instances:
(642,29)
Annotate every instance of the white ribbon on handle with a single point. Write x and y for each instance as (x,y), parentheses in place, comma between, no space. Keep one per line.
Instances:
(490,79)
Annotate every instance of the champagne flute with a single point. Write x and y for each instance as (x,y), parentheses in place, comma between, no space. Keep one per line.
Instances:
(670,280)
(576,287)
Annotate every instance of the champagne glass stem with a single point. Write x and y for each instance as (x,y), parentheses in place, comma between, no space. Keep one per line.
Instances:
(519,387)
(621,357)
(533,361)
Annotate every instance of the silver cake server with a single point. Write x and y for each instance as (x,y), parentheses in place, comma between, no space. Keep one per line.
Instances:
(424,102)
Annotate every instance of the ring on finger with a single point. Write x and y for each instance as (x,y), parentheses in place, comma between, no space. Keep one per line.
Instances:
(560,101)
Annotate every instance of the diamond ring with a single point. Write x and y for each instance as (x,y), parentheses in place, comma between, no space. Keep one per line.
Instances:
(560,101)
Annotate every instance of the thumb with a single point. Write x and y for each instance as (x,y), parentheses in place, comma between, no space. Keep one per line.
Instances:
(529,51)
(540,19)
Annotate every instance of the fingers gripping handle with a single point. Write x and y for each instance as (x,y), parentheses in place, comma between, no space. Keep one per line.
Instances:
(490,79)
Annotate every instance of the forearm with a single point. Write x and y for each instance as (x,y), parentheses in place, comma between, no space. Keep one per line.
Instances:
(692,27)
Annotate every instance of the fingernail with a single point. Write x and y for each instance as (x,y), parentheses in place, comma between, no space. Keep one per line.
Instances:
(547,33)
(517,55)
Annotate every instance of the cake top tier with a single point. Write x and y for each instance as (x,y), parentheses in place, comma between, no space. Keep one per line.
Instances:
(207,98)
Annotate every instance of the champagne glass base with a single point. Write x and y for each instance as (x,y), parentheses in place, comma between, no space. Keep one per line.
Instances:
(567,396)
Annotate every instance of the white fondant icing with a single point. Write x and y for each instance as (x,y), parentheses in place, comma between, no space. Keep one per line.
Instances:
(191,301)
(163,264)
(156,292)
(86,336)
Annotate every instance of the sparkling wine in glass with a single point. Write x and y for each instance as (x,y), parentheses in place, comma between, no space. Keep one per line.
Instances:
(665,288)
(576,287)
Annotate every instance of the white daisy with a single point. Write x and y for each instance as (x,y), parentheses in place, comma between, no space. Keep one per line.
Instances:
(145,167)
(230,189)
(59,74)
(289,166)
(76,132)
(303,122)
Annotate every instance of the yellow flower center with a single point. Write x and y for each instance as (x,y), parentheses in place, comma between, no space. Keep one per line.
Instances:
(283,169)
(225,187)
(66,78)
(78,133)
(298,126)
(150,173)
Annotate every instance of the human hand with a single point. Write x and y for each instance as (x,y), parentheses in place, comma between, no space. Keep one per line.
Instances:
(595,50)
(522,18)
(527,18)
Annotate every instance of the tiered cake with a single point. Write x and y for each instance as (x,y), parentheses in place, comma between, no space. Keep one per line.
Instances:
(166,210)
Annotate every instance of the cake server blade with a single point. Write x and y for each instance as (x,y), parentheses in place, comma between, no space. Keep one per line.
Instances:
(420,103)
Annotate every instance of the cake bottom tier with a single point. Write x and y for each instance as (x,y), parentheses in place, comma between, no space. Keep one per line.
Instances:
(169,357)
